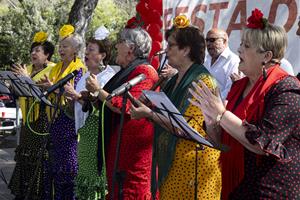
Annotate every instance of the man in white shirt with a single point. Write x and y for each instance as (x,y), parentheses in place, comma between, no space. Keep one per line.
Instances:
(220,61)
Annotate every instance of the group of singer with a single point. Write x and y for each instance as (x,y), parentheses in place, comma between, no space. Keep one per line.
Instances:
(92,145)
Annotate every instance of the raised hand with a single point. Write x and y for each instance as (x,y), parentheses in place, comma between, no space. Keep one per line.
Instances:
(20,69)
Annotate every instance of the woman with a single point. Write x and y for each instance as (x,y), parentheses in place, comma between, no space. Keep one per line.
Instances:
(261,120)
(27,175)
(135,156)
(176,156)
(62,165)
(89,184)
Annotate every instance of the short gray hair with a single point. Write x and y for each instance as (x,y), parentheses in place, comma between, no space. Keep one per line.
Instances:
(271,38)
(76,41)
(140,39)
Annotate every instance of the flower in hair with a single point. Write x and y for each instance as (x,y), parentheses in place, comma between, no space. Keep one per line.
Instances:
(101,33)
(66,30)
(40,37)
(181,21)
(256,20)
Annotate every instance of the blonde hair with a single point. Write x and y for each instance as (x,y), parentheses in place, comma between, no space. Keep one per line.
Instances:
(271,38)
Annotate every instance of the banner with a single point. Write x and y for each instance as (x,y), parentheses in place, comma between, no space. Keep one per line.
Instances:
(232,15)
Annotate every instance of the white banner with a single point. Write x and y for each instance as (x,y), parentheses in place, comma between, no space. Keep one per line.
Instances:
(232,15)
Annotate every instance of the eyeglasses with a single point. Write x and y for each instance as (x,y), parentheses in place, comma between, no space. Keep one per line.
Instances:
(212,40)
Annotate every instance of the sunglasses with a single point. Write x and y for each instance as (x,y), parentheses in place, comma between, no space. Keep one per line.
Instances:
(212,40)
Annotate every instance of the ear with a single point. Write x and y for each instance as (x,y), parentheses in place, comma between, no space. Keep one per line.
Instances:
(268,56)
(103,55)
(186,50)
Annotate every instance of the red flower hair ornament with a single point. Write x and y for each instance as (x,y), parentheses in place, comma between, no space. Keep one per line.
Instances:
(256,20)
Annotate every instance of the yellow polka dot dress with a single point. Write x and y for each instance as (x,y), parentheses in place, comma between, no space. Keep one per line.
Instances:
(180,181)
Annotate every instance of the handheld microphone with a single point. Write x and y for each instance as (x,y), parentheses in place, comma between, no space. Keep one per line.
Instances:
(60,83)
(126,86)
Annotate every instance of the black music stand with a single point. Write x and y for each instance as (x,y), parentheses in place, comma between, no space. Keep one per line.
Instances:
(19,86)
(168,110)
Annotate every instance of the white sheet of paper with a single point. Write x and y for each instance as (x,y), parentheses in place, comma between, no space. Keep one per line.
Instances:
(162,102)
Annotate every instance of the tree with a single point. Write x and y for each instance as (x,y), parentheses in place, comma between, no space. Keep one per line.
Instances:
(20,22)
(80,16)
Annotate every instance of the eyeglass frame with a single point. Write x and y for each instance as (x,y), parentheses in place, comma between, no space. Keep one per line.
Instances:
(212,40)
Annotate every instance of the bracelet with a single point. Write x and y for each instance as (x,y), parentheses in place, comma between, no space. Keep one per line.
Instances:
(219,117)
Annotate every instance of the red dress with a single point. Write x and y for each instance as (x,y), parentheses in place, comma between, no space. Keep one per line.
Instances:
(136,144)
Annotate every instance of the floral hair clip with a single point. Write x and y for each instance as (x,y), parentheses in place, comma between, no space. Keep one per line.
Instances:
(40,37)
(181,21)
(256,20)
(101,33)
(66,30)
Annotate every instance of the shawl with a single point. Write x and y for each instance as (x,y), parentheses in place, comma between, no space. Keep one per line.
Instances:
(25,103)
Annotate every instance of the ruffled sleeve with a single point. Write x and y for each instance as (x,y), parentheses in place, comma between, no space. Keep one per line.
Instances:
(280,122)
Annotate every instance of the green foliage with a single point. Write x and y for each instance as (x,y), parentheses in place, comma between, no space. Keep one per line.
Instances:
(113,16)
(19,25)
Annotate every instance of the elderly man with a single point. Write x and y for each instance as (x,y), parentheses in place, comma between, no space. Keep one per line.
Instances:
(220,61)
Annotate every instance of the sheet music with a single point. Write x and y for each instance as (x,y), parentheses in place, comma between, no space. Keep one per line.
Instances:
(163,103)
(22,86)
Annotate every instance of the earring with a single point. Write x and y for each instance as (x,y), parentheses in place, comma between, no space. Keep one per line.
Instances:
(264,72)
(74,57)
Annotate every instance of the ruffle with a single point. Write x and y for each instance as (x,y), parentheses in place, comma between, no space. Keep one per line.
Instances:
(90,188)
(267,144)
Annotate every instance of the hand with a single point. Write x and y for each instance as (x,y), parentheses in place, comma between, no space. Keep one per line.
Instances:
(20,69)
(210,104)
(45,82)
(142,111)
(92,84)
(168,71)
(70,92)
(236,76)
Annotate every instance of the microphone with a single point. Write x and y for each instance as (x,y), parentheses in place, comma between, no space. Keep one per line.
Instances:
(126,86)
(60,83)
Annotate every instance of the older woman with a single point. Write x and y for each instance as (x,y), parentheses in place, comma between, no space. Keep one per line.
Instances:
(261,120)
(26,178)
(89,183)
(62,165)
(176,157)
(135,156)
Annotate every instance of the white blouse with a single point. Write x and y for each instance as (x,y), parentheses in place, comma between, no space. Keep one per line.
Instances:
(103,77)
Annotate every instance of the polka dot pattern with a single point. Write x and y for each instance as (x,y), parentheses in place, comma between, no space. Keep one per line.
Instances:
(276,175)
(180,182)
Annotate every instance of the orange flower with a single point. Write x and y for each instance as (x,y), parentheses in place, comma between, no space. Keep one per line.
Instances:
(181,21)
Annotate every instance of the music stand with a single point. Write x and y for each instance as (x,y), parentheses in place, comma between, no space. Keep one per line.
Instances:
(19,86)
(169,111)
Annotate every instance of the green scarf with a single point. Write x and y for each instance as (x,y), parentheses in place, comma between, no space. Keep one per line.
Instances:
(164,142)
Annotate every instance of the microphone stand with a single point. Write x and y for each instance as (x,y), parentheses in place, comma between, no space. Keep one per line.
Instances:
(118,175)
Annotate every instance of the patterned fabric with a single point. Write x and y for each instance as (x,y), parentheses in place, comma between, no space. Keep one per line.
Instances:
(180,179)
(251,108)
(136,144)
(28,174)
(27,178)
(62,164)
(89,185)
(276,175)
